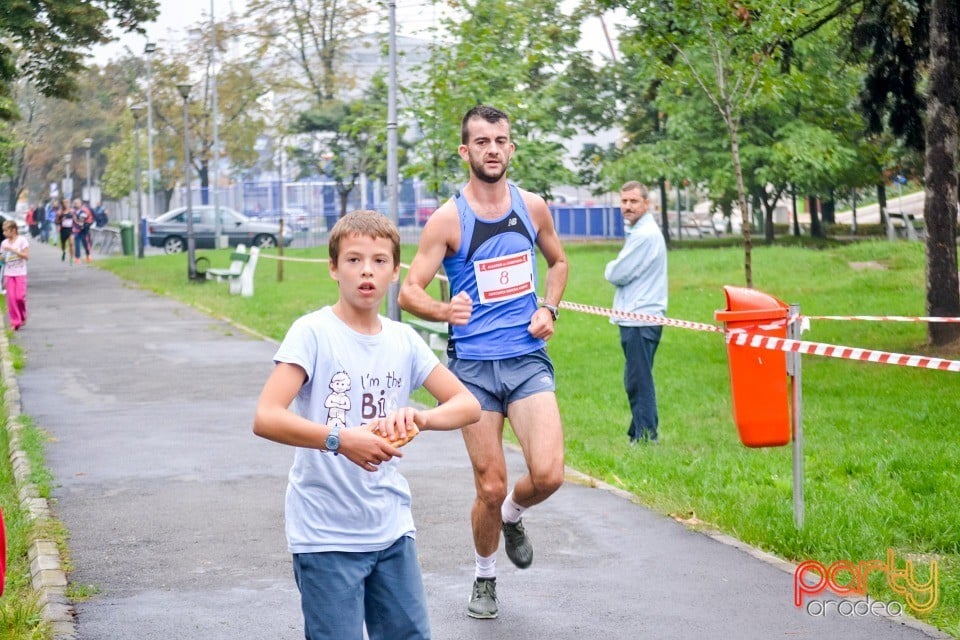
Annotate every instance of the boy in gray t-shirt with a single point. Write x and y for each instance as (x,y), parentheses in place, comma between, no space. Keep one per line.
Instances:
(340,394)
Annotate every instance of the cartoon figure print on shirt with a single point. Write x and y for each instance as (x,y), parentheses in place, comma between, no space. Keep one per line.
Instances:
(338,402)
(379,397)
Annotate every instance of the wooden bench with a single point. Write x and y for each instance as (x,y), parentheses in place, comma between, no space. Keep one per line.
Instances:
(693,225)
(240,272)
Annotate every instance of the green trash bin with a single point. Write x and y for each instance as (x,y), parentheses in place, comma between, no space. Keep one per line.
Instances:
(126,237)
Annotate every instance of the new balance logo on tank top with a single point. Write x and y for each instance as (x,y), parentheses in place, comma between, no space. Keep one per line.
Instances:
(496,266)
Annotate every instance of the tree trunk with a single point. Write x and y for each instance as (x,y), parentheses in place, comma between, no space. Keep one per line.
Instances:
(203,175)
(828,209)
(17,187)
(882,202)
(664,217)
(11,196)
(769,203)
(940,170)
(344,196)
(816,231)
(853,205)
(742,199)
(796,219)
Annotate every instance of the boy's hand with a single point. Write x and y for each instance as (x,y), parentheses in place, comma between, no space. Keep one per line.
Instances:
(366,449)
(400,441)
(398,428)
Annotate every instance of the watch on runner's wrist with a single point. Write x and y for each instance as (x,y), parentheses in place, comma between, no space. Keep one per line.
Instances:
(554,311)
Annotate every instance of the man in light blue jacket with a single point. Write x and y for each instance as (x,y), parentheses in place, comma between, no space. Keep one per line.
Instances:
(639,273)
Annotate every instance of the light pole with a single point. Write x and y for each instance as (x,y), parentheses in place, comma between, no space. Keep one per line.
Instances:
(68,182)
(184,90)
(87,143)
(393,172)
(148,49)
(137,111)
(217,231)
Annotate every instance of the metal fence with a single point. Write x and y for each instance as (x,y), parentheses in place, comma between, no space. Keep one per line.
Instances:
(311,208)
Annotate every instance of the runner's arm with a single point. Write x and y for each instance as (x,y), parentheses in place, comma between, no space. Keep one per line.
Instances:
(437,238)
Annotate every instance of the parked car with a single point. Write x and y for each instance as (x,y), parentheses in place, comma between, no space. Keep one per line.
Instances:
(293,218)
(425,209)
(170,229)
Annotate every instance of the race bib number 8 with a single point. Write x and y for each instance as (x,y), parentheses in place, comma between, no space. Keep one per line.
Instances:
(505,277)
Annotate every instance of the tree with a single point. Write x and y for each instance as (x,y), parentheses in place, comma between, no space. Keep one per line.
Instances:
(727,49)
(49,128)
(310,37)
(508,54)
(351,139)
(940,175)
(241,120)
(45,43)
(902,39)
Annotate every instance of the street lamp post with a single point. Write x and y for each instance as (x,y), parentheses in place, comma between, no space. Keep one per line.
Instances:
(68,182)
(137,111)
(148,50)
(87,143)
(393,172)
(184,90)
(217,231)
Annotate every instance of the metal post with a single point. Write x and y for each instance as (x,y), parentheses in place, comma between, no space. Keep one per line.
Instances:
(217,224)
(853,220)
(148,49)
(87,143)
(184,90)
(393,309)
(679,215)
(137,111)
(796,415)
(68,182)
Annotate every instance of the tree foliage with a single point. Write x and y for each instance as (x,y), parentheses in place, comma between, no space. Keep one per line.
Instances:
(508,54)
(346,140)
(305,41)
(907,44)
(45,42)
(729,51)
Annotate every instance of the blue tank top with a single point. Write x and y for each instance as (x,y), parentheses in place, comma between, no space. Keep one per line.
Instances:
(497,329)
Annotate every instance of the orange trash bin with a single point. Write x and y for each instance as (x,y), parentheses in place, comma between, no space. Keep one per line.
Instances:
(758,376)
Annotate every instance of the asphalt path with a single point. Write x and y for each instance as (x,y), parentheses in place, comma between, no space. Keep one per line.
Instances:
(175,509)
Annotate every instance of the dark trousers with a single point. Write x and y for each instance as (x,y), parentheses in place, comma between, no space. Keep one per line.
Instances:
(639,347)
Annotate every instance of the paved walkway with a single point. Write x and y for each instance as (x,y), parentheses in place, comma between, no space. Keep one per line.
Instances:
(175,509)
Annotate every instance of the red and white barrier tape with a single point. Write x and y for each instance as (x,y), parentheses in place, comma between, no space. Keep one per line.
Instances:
(887,318)
(741,337)
(846,353)
(639,317)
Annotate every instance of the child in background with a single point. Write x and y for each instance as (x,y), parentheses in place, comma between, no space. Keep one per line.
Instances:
(340,394)
(15,250)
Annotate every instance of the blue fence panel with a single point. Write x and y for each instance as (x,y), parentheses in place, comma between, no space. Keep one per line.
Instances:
(588,222)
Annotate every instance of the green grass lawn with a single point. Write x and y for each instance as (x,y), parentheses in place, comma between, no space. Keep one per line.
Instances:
(20,613)
(882,450)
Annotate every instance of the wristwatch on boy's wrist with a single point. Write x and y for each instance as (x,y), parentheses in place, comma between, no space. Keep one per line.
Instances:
(554,311)
(333,440)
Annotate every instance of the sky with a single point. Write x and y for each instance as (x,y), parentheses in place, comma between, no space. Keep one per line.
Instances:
(177,16)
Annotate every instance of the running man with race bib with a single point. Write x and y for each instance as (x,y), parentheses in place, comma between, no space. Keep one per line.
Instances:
(485,238)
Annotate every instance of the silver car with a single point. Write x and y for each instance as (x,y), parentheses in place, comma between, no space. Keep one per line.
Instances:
(170,229)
